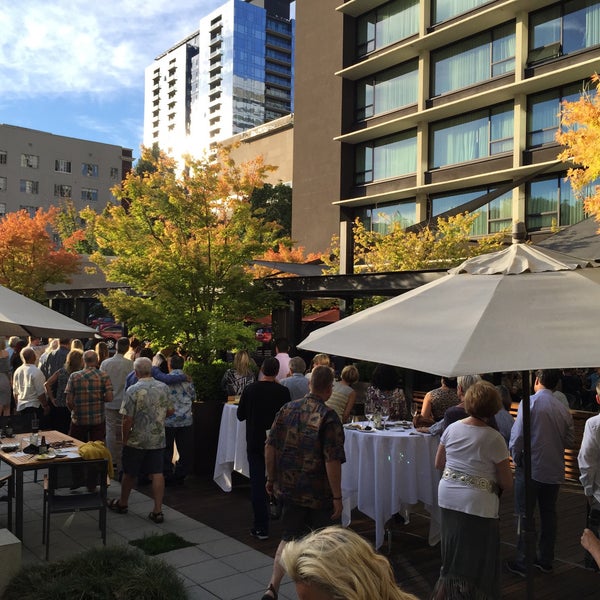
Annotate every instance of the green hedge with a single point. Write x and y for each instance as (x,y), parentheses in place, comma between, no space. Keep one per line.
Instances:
(207,379)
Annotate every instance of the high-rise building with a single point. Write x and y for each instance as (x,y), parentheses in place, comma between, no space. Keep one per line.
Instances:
(436,103)
(39,170)
(234,73)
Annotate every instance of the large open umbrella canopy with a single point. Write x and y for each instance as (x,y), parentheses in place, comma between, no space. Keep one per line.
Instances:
(21,316)
(520,308)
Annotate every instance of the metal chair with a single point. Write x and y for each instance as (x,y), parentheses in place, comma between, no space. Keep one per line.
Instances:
(6,480)
(62,495)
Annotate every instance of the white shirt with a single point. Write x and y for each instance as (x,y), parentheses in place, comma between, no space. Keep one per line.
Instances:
(474,450)
(117,367)
(284,365)
(589,458)
(28,386)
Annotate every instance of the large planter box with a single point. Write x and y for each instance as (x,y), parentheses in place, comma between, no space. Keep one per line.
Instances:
(207,420)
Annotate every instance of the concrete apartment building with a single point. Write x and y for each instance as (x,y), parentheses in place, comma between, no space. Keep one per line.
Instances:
(39,170)
(234,73)
(406,109)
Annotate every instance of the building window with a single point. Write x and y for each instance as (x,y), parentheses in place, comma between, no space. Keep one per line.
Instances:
(89,170)
(62,191)
(543,113)
(89,195)
(387,24)
(31,210)
(564,28)
(2,209)
(551,202)
(114,173)
(29,187)
(3,184)
(389,90)
(473,60)
(30,161)
(387,157)
(3,156)
(383,219)
(493,217)
(62,166)
(446,9)
(472,136)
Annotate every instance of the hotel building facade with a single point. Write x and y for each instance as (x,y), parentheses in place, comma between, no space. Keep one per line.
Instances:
(427,105)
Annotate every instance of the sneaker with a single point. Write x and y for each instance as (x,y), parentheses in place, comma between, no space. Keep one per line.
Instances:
(260,534)
(517,568)
(544,568)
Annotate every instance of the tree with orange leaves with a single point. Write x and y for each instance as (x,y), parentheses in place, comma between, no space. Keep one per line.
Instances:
(30,258)
(183,244)
(580,134)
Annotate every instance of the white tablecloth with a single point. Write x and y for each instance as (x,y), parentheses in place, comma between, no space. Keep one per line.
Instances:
(387,471)
(231,449)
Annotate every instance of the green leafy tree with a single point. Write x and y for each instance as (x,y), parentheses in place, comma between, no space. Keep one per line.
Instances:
(274,203)
(399,250)
(184,245)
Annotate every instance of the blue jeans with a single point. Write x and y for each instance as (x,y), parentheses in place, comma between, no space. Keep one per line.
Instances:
(545,496)
(258,493)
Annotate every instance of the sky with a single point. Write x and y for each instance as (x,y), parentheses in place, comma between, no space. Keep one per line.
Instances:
(75,68)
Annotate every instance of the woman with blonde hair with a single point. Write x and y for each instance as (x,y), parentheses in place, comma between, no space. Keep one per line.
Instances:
(55,386)
(319,360)
(338,564)
(343,395)
(76,345)
(240,375)
(102,352)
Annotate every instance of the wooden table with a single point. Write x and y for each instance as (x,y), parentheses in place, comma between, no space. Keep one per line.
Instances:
(20,463)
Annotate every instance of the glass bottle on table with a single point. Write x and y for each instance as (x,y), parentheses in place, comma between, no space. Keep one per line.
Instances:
(43,448)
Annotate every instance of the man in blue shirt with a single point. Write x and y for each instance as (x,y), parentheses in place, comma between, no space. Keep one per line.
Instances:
(551,432)
(297,383)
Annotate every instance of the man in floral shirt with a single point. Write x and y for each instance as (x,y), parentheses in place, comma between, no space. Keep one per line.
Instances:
(179,427)
(145,407)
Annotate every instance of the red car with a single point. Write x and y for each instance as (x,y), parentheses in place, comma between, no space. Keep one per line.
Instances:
(111,333)
(264,334)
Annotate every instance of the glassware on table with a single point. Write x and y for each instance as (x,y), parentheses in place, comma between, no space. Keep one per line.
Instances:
(369,411)
(384,409)
(35,425)
(415,409)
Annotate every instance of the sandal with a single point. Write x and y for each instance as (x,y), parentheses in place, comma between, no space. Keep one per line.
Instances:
(156,517)
(272,590)
(116,507)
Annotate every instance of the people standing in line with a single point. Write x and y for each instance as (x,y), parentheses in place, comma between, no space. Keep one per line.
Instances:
(304,455)
(57,357)
(60,414)
(88,391)
(77,345)
(296,382)
(5,384)
(282,348)
(259,403)
(145,407)
(28,387)
(157,373)
(35,343)
(242,373)
(589,468)
(343,395)
(117,368)
(134,347)
(336,562)
(551,432)
(504,420)
(317,361)
(475,466)
(43,361)
(179,426)
(102,351)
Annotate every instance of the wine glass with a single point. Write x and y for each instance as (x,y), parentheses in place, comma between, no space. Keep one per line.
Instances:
(384,409)
(415,410)
(369,411)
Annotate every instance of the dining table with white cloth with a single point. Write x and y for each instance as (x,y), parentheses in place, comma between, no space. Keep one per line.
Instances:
(231,448)
(387,472)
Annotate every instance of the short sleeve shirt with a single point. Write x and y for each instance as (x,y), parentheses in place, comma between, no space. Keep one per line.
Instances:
(306,434)
(88,388)
(147,403)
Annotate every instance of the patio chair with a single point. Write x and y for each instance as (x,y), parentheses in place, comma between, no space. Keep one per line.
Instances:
(62,493)
(6,482)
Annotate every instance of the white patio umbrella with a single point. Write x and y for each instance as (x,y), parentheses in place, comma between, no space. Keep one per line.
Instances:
(519,309)
(21,316)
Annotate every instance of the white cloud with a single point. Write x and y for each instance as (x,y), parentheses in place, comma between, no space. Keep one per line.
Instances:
(71,46)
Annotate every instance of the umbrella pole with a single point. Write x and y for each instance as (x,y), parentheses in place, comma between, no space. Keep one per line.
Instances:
(528,527)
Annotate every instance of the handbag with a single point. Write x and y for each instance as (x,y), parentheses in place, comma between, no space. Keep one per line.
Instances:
(274,507)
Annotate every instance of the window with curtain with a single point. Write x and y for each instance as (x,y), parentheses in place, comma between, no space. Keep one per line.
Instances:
(446,9)
(383,218)
(471,136)
(551,202)
(493,217)
(388,90)
(543,113)
(571,24)
(473,60)
(392,156)
(387,24)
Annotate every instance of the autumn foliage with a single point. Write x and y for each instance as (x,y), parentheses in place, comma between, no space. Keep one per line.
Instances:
(580,134)
(30,258)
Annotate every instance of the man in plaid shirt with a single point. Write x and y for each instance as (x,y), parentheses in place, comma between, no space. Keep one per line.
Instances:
(87,392)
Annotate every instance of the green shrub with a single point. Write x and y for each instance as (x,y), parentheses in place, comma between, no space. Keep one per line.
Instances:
(110,573)
(207,379)
(158,544)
